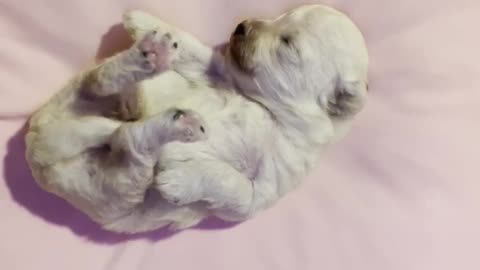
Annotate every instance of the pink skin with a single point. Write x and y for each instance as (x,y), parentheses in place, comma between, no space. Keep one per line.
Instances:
(156,54)
(145,59)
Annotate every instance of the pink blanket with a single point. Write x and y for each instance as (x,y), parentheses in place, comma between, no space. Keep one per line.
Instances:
(402,191)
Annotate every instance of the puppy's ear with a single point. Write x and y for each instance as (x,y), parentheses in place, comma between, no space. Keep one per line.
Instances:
(347,99)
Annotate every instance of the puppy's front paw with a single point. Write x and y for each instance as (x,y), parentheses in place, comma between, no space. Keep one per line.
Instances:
(154,53)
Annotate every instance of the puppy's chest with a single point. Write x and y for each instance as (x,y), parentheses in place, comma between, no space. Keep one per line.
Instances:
(231,139)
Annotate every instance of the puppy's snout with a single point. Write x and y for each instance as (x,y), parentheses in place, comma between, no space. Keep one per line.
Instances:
(241,29)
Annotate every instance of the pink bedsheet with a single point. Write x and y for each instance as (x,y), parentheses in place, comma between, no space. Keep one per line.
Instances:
(402,191)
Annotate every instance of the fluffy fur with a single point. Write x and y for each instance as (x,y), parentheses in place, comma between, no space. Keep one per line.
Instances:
(284,89)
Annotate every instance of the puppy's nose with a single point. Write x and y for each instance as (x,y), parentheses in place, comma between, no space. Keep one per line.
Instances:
(241,29)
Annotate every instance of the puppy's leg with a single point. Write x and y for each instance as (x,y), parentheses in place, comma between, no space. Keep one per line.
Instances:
(62,140)
(129,167)
(228,192)
(149,56)
(52,139)
(148,135)
(194,60)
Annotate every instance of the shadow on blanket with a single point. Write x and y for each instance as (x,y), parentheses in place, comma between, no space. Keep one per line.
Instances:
(57,211)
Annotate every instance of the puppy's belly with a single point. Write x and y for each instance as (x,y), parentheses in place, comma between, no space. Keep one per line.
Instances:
(236,136)
(172,90)
(237,129)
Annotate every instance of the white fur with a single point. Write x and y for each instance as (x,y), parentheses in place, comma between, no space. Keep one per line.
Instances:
(265,127)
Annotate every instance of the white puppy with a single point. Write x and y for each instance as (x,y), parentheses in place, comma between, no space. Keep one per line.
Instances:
(284,89)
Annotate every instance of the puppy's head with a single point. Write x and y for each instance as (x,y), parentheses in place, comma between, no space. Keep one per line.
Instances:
(312,52)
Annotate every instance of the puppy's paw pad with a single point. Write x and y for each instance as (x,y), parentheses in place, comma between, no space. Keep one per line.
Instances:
(188,125)
(169,41)
(155,52)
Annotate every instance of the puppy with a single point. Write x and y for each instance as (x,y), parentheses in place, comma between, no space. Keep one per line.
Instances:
(285,89)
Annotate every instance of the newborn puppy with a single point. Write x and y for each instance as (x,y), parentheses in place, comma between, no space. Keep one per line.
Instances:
(284,90)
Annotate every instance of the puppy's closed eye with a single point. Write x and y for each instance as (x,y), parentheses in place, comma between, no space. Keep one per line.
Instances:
(287,50)
(286,39)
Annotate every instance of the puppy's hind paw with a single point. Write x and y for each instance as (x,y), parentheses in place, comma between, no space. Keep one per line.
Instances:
(154,53)
(188,126)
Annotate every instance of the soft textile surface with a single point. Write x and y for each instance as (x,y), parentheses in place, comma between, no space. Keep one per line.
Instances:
(402,191)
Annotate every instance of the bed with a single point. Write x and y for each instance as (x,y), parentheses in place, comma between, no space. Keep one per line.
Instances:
(401,191)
